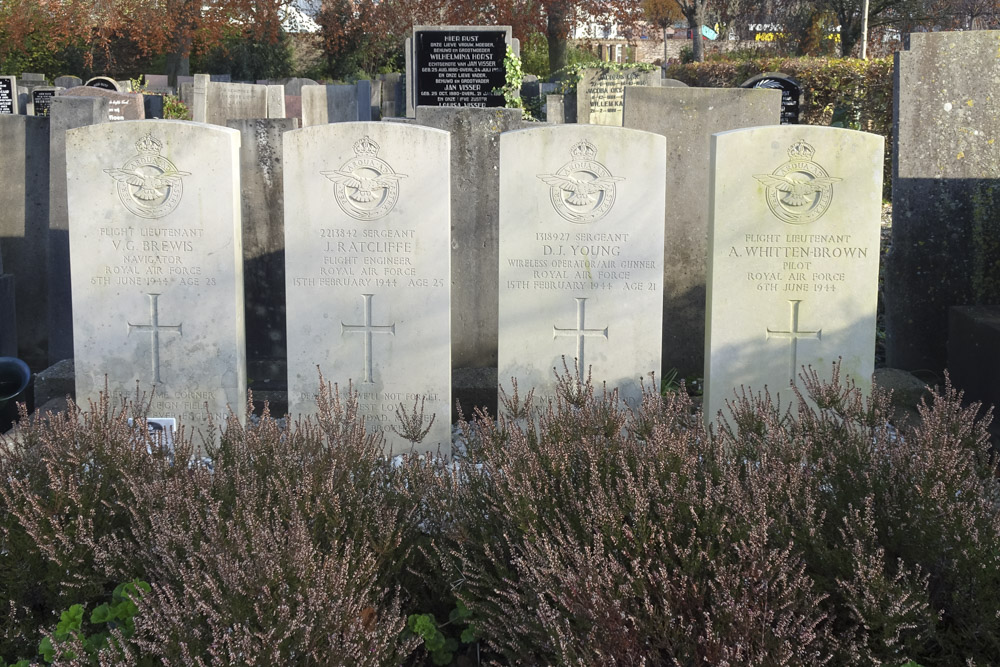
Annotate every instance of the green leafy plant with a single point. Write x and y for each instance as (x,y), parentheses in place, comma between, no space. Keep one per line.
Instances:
(439,646)
(514,77)
(118,615)
(172,105)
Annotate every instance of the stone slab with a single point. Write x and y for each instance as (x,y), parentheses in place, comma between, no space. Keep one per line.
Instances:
(475,186)
(945,191)
(105,83)
(157,266)
(24,222)
(581,256)
(275,102)
(67,112)
(688,117)
(974,352)
(121,106)
(600,94)
(335,103)
(367,246)
(68,81)
(793,259)
(9,103)
(41,100)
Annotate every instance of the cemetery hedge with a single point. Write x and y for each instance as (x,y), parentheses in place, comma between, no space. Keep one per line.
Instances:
(853,93)
(570,533)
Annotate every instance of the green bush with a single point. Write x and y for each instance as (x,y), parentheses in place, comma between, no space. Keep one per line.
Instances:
(859,92)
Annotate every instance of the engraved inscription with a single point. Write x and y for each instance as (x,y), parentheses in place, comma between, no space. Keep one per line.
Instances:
(154,327)
(793,334)
(149,184)
(580,333)
(799,191)
(368,329)
(366,187)
(582,190)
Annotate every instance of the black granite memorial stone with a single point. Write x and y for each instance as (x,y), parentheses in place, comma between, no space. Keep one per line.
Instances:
(460,68)
(103,82)
(791,93)
(41,100)
(8,95)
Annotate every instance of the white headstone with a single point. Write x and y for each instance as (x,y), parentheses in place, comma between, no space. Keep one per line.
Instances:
(793,258)
(367,256)
(157,265)
(581,255)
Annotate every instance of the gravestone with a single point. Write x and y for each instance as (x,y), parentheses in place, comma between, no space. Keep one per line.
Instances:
(275,102)
(218,102)
(152,106)
(456,66)
(475,186)
(157,83)
(262,176)
(791,93)
(555,109)
(672,83)
(334,103)
(8,312)
(293,106)
(24,228)
(367,277)
(974,352)
(105,83)
(67,112)
(68,81)
(41,100)
(600,94)
(157,277)
(793,259)
(688,117)
(581,256)
(8,95)
(945,192)
(121,106)
(393,95)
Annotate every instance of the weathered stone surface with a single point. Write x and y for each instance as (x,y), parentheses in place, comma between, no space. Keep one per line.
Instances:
(263,211)
(275,102)
(945,191)
(600,94)
(688,117)
(68,81)
(67,112)
(367,245)
(24,219)
(230,101)
(793,259)
(581,260)
(157,266)
(329,104)
(475,185)
(974,352)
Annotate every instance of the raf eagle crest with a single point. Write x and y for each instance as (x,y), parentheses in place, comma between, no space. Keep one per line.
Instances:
(366,187)
(149,184)
(799,191)
(582,190)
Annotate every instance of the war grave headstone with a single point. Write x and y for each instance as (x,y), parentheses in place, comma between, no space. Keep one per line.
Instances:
(688,117)
(793,259)
(105,83)
(121,106)
(600,94)
(67,112)
(68,81)
(456,66)
(791,93)
(41,100)
(335,103)
(8,95)
(24,222)
(581,256)
(157,266)
(945,192)
(262,176)
(367,242)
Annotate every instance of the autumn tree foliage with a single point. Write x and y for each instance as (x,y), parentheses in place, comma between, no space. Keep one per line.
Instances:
(94,27)
(662,14)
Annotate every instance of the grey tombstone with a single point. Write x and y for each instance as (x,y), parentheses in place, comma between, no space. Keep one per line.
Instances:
(367,246)
(329,104)
(456,66)
(8,313)
(945,192)
(67,112)
(581,260)
(218,102)
(121,106)
(33,77)
(293,86)
(600,94)
(363,92)
(393,95)
(68,81)
(9,95)
(275,101)
(156,81)
(688,117)
(221,78)
(475,187)
(104,82)
(23,99)
(185,91)
(262,177)
(24,220)
(41,100)
(793,259)
(555,111)
(157,276)
(672,83)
